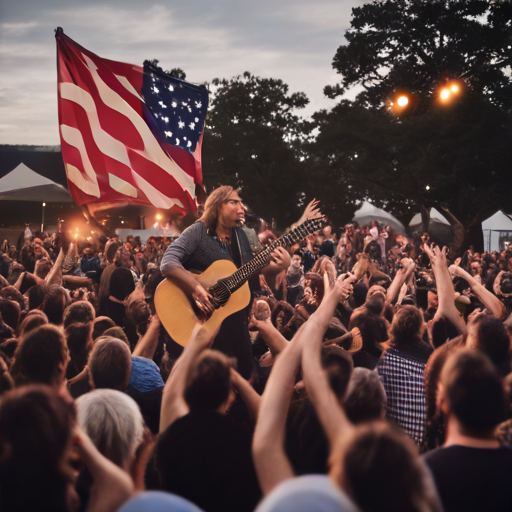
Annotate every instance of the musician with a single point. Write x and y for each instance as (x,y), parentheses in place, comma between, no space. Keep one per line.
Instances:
(215,236)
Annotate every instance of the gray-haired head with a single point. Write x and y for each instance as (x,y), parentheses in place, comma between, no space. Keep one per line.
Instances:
(114,423)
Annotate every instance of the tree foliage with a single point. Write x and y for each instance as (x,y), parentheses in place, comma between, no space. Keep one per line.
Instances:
(421,44)
(453,156)
(253,140)
(454,159)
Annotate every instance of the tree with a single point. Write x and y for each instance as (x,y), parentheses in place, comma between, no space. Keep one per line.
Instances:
(454,157)
(456,160)
(253,140)
(420,44)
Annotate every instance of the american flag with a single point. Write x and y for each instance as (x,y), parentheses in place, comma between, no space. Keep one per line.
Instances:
(129,134)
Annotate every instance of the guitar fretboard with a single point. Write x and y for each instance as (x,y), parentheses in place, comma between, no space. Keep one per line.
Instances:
(262,259)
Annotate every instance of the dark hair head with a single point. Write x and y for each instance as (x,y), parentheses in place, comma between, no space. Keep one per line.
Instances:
(8,348)
(35,432)
(111,251)
(100,325)
(493,340)
(360,292)
(406,326)
(380,455)
(5,331)
(338,365)
(12,293)
(208,382)
(110,364)
(80,311)
(138,314)
(28,282)
(6,381)
(118,333)
(54,304)
(474,391)
(373,328)
(10,312)
(366,398)
(32,322)
(41,356)
(78,338)
(376,299)
(316,284)
(36,296)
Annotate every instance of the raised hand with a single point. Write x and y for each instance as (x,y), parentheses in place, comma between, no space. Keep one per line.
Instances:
(437,256)
(311,212)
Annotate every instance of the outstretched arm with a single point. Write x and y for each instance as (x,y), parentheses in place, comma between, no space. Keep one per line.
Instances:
(331,415)
(55,274)
(445,291)
(400,278)
(488,299)
(270,460)
(275,341)
(173,403)
(251,399)
(146,346)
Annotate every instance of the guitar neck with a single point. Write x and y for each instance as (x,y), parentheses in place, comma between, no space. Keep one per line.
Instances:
(262,259)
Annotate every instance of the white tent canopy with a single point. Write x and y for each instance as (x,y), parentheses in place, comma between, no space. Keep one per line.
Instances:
(435,216)
(368,213)
(497,229)
(23,184)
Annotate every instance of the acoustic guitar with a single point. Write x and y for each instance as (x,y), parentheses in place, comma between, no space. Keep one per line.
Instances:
(227,285)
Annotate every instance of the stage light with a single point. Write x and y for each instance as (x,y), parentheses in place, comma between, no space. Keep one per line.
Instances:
(445,94)
(403,101)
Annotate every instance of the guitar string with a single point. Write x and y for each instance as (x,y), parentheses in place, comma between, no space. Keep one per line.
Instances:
(223,289)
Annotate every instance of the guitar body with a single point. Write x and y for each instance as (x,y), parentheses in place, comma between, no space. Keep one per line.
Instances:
(176,312)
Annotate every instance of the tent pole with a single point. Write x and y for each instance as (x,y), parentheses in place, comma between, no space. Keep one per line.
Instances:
(42,218)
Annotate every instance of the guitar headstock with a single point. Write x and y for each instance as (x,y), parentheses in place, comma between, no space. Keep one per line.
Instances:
(305,229)
(313,225)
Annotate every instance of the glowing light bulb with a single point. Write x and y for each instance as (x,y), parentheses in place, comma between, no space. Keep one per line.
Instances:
(158,216)
(428,187)
(454,88)
(445,94)
(402,101)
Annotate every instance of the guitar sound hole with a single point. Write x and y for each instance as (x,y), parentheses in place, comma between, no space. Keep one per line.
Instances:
(220,293)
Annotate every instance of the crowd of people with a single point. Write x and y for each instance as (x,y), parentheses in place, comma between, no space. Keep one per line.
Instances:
(379,380)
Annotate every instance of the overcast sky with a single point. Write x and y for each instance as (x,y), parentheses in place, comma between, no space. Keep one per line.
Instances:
(294,40)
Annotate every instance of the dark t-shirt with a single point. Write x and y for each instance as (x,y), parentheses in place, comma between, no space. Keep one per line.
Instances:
(472,479)
(205,457)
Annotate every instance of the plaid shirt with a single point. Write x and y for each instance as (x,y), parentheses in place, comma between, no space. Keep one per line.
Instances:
(402,377)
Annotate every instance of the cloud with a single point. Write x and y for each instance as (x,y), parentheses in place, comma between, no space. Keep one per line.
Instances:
(291,40)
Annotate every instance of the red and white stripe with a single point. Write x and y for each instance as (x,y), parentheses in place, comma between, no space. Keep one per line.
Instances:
(110,154)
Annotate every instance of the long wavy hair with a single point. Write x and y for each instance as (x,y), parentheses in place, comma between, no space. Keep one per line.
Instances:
(214,204)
